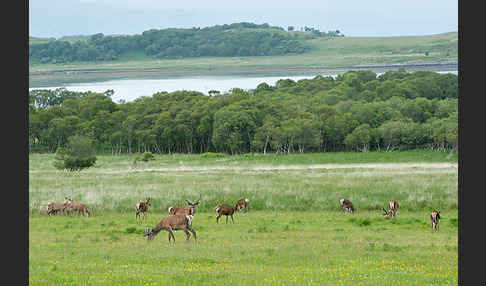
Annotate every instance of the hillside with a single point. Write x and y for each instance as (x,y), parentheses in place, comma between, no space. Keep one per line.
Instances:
(322,53)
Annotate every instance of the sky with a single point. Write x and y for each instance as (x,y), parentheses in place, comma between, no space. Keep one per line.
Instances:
(353,18)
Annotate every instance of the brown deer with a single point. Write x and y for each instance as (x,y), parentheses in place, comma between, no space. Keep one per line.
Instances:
(434,219)
(393,209)
(54,208)
(77,207)
(171,223)
(185,210)
(142,207)
(224,210)
(346,205)
(243,204)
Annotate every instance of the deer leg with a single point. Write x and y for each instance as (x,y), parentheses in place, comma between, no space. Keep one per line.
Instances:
(226,219)
(188,235)
(217,219)
(232,219)
(172,234)
(193,232)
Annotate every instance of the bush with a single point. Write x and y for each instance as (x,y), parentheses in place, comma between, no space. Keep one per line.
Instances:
(77,156)
(212,155)
(147,156)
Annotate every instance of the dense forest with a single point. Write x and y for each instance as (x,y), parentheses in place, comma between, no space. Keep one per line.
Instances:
(238,39)
(357,110)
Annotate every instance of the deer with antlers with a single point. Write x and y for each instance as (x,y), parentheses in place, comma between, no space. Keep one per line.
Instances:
(346,205)
(243,204)
(142,207)
(393,209)
(171,223)
(434,219)
(224,210)
(186,210)
(76,206)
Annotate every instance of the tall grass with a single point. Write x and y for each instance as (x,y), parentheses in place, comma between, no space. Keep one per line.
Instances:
(115,184)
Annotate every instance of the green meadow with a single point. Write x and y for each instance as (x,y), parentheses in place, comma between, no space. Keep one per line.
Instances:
(295,233)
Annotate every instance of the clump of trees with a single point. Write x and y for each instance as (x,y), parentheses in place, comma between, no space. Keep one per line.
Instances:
(238,39)
(356,111)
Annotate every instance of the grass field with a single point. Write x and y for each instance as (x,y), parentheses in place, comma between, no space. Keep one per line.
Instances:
(294,234)
(325,52)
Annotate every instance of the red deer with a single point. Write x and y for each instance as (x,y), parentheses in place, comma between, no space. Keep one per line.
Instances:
(346,205)
(186,210)
(243,204)
(142,207)
(53,208)
(434,218)
(393,205)
(171,223)
(224,210)
(77,207)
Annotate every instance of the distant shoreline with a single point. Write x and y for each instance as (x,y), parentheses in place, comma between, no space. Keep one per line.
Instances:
(248,70)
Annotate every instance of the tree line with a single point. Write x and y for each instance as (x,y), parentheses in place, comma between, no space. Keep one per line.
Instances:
(356,111)
(238,39)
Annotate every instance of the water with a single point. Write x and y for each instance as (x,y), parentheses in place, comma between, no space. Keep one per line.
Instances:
(131,89)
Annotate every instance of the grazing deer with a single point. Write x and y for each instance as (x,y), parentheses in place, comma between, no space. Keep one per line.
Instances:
(224,210)
(186,210)
(346,205)
(243,204)
(434,218)
(76,206)
(393,205)
(53,208)
(142,207)
(171,223)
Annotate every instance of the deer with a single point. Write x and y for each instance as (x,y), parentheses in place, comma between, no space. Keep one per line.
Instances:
(243,204)
(434,219)
(171,223)
(77,207)
(142,207)
(224,210)
(346,205)
(54,208)
(187,210)
(393,205)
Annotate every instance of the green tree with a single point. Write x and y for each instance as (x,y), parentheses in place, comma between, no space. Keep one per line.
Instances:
(360,138)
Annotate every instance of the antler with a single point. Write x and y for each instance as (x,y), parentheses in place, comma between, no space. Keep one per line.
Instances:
(197,202)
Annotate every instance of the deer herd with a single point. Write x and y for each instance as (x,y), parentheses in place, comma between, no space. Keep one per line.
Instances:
(180,217)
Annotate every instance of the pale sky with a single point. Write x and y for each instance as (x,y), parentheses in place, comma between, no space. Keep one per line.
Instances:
(354,18)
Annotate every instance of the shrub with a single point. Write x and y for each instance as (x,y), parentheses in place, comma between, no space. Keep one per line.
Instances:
(77,156)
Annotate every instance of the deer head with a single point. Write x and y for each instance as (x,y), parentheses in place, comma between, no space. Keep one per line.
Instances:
(195,203)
